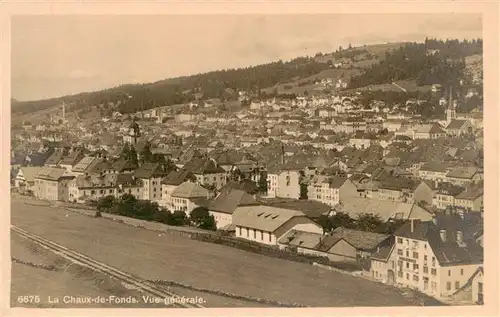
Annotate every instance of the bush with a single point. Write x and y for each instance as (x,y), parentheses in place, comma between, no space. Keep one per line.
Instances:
(201,218)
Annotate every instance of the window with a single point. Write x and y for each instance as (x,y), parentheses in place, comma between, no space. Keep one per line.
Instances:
(449,272)
(433,261)
(408,276)
(407,253)
(433,271)
(400,274)
(425,257)
(248,232)
(400,252)
(262,235)
(415,255)
(101,191)
(426,269)
(110,191)
(240,230)
(92,192)
(269,237)
(400,264)
(461,271)
(457,285)
(448,286)
(415,278)
(415,266)
(400,240)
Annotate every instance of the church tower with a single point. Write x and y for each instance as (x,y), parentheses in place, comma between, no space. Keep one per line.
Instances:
(451,112)
(133,133)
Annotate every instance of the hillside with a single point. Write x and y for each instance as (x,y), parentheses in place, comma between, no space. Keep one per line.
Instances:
(222,84)
(374,67)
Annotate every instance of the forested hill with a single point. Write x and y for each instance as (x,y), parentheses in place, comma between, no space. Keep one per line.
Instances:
(431,62)
(388,63)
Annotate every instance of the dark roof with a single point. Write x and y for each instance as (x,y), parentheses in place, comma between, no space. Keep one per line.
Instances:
(198,165)
(149,170)
(176,178)
(310,208)
(245,185)
(399,183)
(228,200)
(361,240)
(456,124)
(55,158)
(72,158)
(122,164)
(449,251)
(383,253)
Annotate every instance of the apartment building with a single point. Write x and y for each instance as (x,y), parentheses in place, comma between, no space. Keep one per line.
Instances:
(437,257)
(151,175)
(52,183)
(331,190)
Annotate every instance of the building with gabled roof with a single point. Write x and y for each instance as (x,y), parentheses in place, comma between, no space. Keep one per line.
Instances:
(331,190)
(51,183)
(437,257)
(151,175)
(266,224)
(187,196)
(226,202)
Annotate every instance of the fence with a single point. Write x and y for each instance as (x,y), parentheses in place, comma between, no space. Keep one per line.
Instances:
(272,251)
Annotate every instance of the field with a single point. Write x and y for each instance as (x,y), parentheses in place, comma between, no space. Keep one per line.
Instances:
(150,256)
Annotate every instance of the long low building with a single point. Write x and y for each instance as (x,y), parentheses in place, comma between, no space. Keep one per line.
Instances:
(266,224)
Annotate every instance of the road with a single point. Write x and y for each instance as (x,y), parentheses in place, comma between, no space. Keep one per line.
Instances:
(209,266)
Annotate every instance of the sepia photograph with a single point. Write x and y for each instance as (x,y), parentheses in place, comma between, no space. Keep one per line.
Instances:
(247,160)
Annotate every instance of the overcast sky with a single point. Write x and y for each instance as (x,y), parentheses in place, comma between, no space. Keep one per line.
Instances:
(58,55)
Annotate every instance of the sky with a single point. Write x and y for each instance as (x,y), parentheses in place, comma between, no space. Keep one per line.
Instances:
(57,55)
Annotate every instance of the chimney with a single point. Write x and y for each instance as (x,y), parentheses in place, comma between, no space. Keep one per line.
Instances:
(434,219)
(442,233)
(412,225)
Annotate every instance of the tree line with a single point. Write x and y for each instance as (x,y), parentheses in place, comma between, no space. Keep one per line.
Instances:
(129,206)
(364,222)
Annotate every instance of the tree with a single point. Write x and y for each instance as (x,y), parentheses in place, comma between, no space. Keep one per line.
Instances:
(325,223)
(303,191)
(126,154)
(178,218)
(105,203)
(341,219)
(133,156)
(368,222)
(262,184)
(201,218)
(146,155)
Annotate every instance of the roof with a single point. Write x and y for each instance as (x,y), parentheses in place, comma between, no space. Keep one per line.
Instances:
(383,253)
(245,185)
(72,158)
(198,165)
(312,209)
(385,209)
(83,164)
(301,239)
(149,170)
(122,164)
(265,218)
(434,167)
(399,183)
(176,178)
(29,172)
(333,181)
(190,190)
(55,158)
(465,172)
(470,194)
(107,180)
(227,201)
(456,124)
(449,251)
(52,173)
(361,240)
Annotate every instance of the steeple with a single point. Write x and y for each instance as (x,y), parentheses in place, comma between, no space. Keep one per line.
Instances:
(451,112)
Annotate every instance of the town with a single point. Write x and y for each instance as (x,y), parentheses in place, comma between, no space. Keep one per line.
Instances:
(388,184)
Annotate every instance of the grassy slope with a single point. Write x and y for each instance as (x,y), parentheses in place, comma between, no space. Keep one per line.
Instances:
(200,264)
